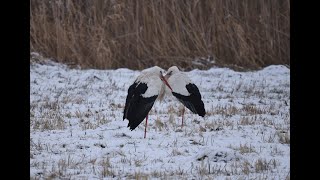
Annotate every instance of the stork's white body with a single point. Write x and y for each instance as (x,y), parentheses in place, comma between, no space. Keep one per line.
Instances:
(178,83)
(146,89)
(185,91)
(150,77)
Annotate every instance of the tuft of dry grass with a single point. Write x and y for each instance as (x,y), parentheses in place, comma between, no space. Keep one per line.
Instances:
(246,121)
(106,168)
(244,149)
(263,165)
(137,34)
(245,167)
(252,109)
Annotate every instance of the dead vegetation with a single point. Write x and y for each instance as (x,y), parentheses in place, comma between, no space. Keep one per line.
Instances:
(138,34)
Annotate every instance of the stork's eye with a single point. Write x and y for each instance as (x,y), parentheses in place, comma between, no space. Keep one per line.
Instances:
(170,73)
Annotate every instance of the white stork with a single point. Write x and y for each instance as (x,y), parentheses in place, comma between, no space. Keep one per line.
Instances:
(146,89)
(185,91)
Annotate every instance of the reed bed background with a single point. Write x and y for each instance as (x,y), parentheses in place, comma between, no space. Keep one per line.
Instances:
(141,33)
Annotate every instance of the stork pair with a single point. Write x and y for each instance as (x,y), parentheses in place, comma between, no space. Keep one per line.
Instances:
(151,85)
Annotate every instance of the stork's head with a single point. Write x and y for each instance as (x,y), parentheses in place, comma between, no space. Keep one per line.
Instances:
(172,70)
(164,80)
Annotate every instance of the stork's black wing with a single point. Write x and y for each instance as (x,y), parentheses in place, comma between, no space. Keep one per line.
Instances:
(137,107)
(193,102)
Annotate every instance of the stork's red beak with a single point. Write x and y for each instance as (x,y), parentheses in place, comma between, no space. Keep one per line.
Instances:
(165,81)
(166,76)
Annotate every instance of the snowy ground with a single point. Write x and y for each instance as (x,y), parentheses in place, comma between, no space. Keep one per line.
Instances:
(77,131)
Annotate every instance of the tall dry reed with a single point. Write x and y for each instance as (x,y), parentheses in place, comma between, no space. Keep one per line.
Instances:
(142,33)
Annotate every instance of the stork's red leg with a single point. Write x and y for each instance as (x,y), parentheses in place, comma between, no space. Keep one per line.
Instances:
(145,128)
(182,116)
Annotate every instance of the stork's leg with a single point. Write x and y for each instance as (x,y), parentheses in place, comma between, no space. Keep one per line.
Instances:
(182,116)
(145,128)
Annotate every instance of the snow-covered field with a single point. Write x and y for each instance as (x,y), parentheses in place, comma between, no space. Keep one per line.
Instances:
(77,131)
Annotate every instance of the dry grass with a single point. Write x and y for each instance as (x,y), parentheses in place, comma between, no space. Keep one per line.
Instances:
(106,168)
(243,149)
(138,34)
